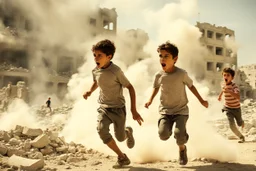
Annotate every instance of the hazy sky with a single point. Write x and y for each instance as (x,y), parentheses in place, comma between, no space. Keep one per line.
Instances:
(237,15)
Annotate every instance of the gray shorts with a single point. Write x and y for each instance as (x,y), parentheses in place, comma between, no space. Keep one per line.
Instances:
(234,114)
(107,116)
(165,124)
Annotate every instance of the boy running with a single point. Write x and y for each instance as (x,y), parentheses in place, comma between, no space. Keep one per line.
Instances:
(171,81)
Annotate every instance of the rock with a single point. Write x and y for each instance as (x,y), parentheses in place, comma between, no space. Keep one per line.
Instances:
(26,164)
(40,141)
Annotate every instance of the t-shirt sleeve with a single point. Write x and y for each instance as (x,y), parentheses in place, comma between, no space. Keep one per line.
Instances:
(187,80)
(93,76)
(156,83)
(122,78)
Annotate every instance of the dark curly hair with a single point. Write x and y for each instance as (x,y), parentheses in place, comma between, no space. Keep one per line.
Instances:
(229,70)
(106,46)
(169,47)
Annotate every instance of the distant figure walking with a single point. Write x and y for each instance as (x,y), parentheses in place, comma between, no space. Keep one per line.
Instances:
(48,104)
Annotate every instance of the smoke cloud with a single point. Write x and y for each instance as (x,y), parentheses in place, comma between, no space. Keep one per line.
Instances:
(149,148)
(61,23)
(231,44)
(18,113)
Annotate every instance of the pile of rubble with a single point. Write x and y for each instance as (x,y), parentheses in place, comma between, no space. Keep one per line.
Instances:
(64,109)
(9,67)
(45,116)
(10,92)
(66,74)
(33,149)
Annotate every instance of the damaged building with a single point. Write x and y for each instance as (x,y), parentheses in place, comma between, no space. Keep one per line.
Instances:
(58,63)
(247,80)
(219,55)
(17,50)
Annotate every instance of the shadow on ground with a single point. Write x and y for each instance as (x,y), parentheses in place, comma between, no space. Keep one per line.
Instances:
(223,167)
(138,168)
(144,169)
(212,167)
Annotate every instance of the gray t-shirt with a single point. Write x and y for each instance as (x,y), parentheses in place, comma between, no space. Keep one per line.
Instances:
(173,97)
(111,81)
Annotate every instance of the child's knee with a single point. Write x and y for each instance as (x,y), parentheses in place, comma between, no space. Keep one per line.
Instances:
(231,122)
(240,123)
(233,127)
(104,134)
(105,137)
(164,135)
(181,137)
(120,137)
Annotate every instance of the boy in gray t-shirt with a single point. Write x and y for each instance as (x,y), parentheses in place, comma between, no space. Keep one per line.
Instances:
(111,80)
(173,98)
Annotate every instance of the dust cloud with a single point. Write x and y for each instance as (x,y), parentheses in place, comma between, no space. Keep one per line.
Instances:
(60,28)
(231,43)
(60,25)
(18,113)
(204,140)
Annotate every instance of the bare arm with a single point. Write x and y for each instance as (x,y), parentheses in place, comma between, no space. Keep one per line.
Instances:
(220,95)
(135,114)
(154,93)
(93,87)
(195,92)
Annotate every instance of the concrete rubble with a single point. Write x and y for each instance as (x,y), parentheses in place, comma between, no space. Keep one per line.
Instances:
(26,164)
(36,149)
(28,149)
(9,67)
(10,92)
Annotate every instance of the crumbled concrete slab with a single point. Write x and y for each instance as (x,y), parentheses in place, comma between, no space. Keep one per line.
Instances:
(26,164)
(32,132)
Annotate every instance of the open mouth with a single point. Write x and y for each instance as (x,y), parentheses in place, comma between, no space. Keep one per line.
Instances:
(163,65)
(97,63)
(226,80)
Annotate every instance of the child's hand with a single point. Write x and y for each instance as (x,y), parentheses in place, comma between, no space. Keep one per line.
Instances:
(205,103)
(148,104)
(86,94)
(136,116)
(219,98)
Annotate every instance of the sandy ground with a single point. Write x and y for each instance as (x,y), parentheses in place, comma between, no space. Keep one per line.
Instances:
(246,162)
(100,162)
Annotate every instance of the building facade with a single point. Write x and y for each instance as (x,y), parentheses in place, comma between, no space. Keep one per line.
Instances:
(18,50)
(247,78)
(219,55)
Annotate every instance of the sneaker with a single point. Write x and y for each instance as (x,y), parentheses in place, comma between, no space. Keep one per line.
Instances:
(130,139)
(122,162)
(183,157)
(242,140)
